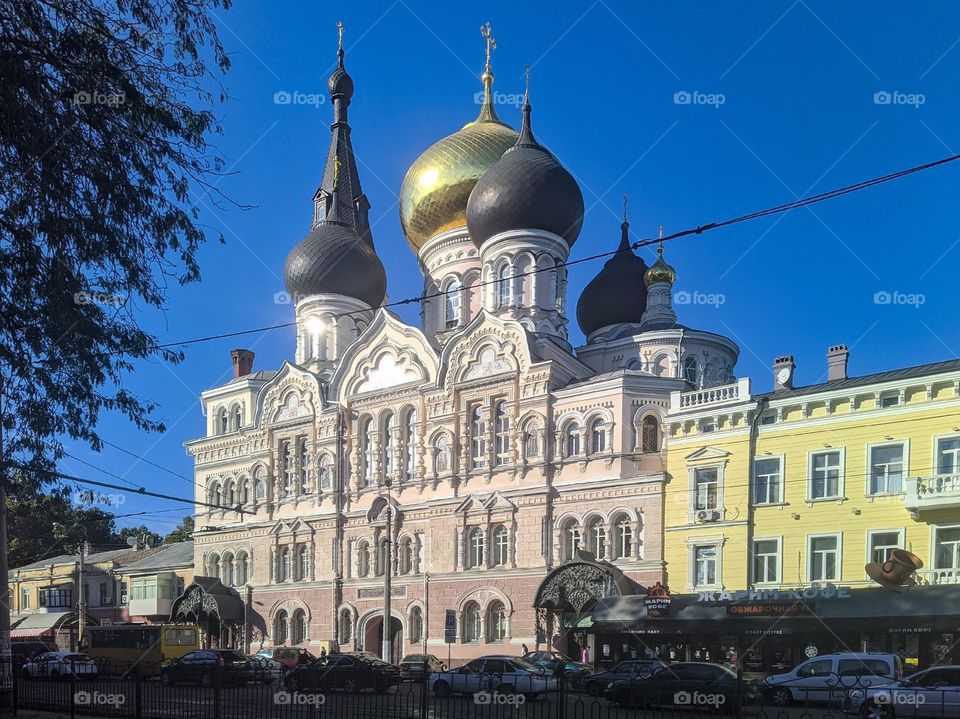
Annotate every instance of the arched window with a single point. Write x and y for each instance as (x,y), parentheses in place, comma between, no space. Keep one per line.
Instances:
(650,434)
(475,548)
(410,444)
(237,418)
(363,559)
(305,467)
(452,304)
(573,439)
(690,369)
(286,465)
(298,627)
(326,472)
(228,493)
(285,565)
(243,568)
(406,555)
(598,435)
(500,545)
(441,456)
(213,493)
(416,625)
(346,626)
(622,537)
(496,622)
(281,628)
(502,429)
(504,289)
(303,562)
(597,538)
(223,423)
(658,366)
(531,447)
(213,566)
(259,485)
(471,622)
(366,448)
(383,557)
(571,538)
(228,576)
(478,438)
(243,491)
(389,445)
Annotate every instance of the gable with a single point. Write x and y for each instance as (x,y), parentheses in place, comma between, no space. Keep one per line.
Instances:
(293,393)
(707,453)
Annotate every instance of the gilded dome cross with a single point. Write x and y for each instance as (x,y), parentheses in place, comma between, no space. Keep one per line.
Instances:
(487,33)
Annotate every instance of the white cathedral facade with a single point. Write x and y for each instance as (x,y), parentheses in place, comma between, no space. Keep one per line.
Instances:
(496,472)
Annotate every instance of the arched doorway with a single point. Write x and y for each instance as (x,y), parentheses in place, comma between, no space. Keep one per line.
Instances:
(372,637)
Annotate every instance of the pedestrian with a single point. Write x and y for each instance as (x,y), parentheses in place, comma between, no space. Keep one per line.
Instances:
(524,650)
(323,652)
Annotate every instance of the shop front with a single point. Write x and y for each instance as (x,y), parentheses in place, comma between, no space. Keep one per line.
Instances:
(768,631)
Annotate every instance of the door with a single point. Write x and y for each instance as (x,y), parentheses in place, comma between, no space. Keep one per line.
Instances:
(936,694)
(467,678)
(813,680)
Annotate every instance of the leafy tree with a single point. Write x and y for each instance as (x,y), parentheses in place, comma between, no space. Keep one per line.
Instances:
(142,534)
(183,532)
(106,110)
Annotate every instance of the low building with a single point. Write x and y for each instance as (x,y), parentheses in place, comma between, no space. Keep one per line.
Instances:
(155,582)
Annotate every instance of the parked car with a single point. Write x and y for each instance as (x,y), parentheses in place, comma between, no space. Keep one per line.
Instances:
(595,684)
(685,686)
(289,657)
(828,677)
(555,662)
(207,667)
(55,665)
(933,692)
(500,673)
(349,672)
(265,671)
(414,667)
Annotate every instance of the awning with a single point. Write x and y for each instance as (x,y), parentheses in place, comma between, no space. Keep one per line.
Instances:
(207,598)
(37,626)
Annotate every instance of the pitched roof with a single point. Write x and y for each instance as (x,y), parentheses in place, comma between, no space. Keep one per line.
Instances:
(112,555)
(170,555)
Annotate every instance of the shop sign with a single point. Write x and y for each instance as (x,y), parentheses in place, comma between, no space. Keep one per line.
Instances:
(641,631)
(909,630)
(811,651)
(769,610)
(764,632)
(657,601)
(774,595)
(450,627)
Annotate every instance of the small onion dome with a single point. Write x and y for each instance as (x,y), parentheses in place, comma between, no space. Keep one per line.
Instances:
(660,271)
(527,189)
(333,259)
(617,295)
(340,84)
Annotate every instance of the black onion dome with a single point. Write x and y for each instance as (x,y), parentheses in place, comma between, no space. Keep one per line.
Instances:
(617,295)
(526,189)
(340,84)
(333,259)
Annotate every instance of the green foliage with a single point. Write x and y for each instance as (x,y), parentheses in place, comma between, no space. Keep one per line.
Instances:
(183,532)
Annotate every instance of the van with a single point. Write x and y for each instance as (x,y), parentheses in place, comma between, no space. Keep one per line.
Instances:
(828,677)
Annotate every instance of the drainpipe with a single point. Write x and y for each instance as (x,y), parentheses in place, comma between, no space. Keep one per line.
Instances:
(751,457)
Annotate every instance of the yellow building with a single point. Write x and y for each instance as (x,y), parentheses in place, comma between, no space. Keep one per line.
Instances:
(775,502)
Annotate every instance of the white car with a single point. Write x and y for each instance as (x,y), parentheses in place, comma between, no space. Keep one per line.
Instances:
(830,677)
(931,693)
(59,664)
(500,674)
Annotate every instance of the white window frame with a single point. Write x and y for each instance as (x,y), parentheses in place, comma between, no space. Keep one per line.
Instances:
(839,563)
(935,464)
(692,488)
(452,303)
(933,545)
(779,578)
(899,531)
(693,545)
(841,480)
(868,477)
(781,459)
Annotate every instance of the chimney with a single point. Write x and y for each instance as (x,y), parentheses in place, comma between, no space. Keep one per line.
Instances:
(783,373)
(242,362)
(837,357)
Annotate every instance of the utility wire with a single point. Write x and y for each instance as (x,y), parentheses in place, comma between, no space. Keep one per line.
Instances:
(150,462)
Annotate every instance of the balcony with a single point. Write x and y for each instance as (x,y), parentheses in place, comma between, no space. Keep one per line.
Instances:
(710,397)
(152,607)
(927,577)
(941,491)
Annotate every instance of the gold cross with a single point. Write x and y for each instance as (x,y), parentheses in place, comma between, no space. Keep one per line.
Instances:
(339,35)
(486,31)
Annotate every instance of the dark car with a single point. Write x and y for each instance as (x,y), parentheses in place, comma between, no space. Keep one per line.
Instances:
(350,672)
(414,667)
(208,667)
(688,686)
(596,683)
(554,662)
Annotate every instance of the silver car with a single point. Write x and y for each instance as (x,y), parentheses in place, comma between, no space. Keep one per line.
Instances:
(54,665)
(494,675)
(931,693)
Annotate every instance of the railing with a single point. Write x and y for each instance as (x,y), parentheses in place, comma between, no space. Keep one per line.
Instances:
(938,576)
(936,492)
(709,396)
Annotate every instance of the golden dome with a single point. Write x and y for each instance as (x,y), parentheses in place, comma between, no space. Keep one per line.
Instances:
(660,271)
(435,190)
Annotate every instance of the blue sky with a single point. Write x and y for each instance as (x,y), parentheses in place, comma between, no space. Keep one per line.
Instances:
(784,103)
